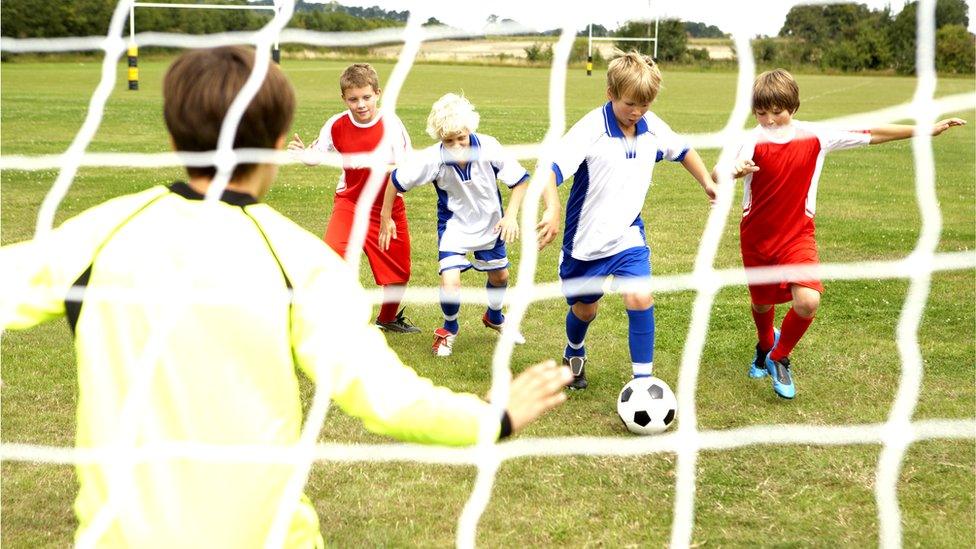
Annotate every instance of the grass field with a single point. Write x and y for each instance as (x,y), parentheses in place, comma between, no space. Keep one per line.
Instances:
(847,366)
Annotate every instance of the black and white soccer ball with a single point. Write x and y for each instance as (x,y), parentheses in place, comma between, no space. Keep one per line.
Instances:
(647,406)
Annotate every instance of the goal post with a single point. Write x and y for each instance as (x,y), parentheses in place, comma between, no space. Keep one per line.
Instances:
(591,39)
(133,49)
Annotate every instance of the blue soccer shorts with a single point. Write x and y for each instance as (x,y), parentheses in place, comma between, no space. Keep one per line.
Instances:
(582,281)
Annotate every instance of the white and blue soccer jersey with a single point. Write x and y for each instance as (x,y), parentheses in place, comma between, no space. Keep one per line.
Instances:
(469,203)
(611,176)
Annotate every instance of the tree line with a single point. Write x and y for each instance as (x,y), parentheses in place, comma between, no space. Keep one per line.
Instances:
(852,37)
(55,18)
(844,37)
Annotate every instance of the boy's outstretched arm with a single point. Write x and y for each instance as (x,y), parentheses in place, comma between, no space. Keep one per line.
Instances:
(894,132)
(693,163)
(509,225)
(548,227)
(388,231)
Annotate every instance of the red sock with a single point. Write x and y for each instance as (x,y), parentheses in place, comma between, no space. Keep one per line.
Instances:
(794,326)
(391,303)
(764,327)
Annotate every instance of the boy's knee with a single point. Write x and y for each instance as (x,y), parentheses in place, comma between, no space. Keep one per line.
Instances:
(585,311)
(638,302)
(498,278)
(761,309)
(806,303)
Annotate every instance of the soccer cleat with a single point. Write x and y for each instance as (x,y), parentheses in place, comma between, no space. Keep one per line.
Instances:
(518,337)
(779,371)
(577,364)
(399,325)
(443,342)
(757,369)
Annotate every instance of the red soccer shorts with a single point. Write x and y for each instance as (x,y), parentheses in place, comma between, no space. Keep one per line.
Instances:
(389,267)
(802,251)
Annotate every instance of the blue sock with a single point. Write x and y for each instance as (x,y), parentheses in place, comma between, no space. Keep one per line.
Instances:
(575,334)
(450,305)
(641,338)
(496,296)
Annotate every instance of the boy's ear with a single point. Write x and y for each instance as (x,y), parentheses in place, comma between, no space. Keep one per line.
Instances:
(609,94)
(280,142)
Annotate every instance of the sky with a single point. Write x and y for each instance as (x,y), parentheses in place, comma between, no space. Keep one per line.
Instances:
(765,16)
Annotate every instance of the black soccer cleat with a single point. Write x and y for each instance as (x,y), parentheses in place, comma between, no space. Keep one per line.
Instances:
(578,365)
(399,325)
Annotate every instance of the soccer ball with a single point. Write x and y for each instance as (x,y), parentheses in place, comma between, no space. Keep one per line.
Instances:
(646,405)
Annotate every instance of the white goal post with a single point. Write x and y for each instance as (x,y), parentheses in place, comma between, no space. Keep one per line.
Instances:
(133,49)
(590,39)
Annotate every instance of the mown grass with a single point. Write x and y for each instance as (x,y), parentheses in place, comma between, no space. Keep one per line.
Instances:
(847,366)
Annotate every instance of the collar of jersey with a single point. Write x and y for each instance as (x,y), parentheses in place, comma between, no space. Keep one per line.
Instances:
(447,159)
(233,198)
(369,124)
(769,137)
(613,128)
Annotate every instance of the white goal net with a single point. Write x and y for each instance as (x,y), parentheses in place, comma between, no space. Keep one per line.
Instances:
(687,441)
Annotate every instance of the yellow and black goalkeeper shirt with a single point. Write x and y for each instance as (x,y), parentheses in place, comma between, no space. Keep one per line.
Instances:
(190,318)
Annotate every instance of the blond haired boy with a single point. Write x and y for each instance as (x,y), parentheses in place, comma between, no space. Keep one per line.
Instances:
(611,154)
(465,168)
(781,160)
(358,130)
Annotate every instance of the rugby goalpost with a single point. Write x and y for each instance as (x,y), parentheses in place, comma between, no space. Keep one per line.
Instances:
(132,51)
(590,39)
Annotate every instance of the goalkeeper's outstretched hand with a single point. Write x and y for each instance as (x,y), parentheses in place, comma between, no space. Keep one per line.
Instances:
(536,391)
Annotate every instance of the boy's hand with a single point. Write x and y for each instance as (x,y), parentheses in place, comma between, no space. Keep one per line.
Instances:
(296,144)
(508,228)
(536,391)
(388,232)
(943,125)
(711,191)
(744,167)
(548,227)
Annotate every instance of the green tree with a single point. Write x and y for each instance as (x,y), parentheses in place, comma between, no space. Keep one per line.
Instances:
(902,32)
(955,49)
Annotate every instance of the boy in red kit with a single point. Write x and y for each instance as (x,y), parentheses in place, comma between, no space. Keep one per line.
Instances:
(360,130)
(781,160)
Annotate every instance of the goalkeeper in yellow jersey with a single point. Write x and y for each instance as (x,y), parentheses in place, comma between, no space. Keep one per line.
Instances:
(190,320)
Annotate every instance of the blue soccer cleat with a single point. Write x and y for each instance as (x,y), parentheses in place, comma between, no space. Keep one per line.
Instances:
(757,368)
(779,371)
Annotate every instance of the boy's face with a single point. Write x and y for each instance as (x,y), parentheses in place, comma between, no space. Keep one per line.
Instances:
(773,118)
(361,103)
(457,144)
(626,110)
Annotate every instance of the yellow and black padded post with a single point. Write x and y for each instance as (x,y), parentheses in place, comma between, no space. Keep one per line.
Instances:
(276,54)
(589,65)
(133,54)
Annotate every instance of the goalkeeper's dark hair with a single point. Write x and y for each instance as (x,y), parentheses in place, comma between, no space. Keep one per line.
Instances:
(198,90)
(775,89)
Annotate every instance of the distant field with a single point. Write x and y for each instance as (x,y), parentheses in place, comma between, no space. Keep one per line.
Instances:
(847,367)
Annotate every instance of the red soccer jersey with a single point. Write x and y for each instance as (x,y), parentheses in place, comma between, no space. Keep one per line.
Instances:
(780,199)
(344,135)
